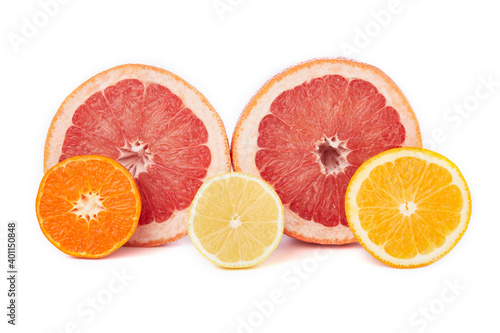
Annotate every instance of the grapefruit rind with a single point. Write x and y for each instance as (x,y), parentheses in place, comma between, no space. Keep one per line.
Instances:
(152,234)
(244,141)
(361,235)
(239,264)
(133,188)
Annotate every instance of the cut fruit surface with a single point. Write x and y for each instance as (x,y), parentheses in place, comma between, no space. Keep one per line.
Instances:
(88,206)
(157,126)
(307,131)
(236,220)
(408,207)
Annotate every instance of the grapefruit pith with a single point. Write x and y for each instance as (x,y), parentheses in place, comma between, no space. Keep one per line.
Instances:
(157,126)
(307,131)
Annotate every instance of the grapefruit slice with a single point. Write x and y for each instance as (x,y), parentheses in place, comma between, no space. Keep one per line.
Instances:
(157,126)
(236,220)
(88,206)
(307,131)
(408,207)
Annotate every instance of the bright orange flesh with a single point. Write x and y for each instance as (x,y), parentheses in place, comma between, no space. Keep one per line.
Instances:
(436,202)
(88,206)
(408,207)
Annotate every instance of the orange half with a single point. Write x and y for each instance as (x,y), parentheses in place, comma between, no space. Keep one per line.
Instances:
(408,207)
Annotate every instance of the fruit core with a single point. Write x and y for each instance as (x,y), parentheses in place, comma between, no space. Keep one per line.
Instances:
(408,208)
(135,157)
(235,221)
(332,155)
(88,206)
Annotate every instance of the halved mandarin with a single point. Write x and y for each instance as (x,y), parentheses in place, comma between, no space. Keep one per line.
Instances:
(88,206)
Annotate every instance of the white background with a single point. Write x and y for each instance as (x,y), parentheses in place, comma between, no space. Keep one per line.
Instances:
(436,51)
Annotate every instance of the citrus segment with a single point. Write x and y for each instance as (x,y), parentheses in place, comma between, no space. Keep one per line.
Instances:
(160,128)
(236,220)
(408,207)
(308,130)
(78,215)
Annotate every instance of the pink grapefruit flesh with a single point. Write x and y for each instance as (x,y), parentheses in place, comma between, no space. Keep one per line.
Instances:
(309,129)
(157,126)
